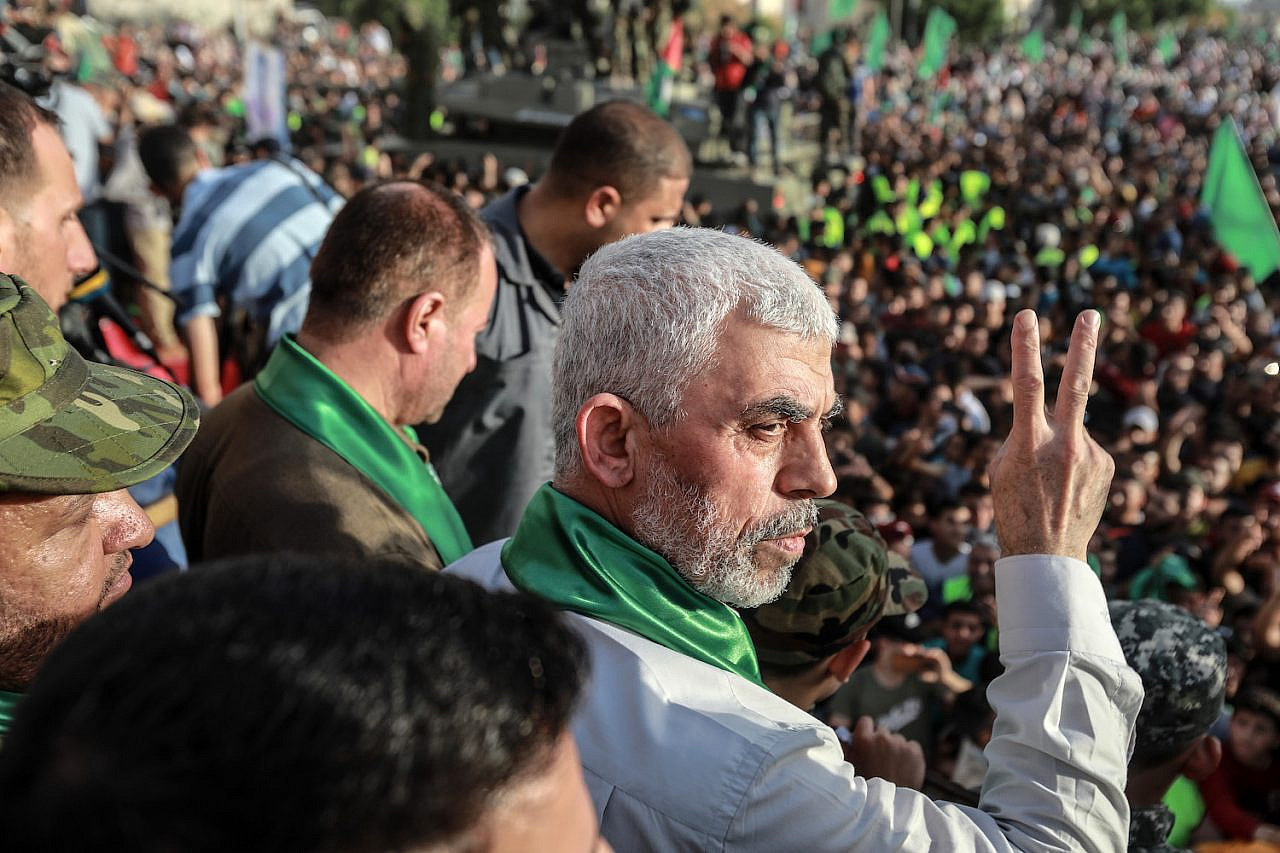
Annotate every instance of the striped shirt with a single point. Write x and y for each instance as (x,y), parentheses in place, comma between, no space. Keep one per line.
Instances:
(247,234)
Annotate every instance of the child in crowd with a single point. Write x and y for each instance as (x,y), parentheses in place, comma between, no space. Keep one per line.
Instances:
(962,632)
(905,689)
(1243,795)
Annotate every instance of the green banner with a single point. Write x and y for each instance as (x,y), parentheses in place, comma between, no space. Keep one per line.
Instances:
(840,10)
(1033,45)
(877,40)
(1120,38)
(1242,220)
(1167,47)
(938,30)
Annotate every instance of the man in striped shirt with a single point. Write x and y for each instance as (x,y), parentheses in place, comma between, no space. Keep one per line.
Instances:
(242,249)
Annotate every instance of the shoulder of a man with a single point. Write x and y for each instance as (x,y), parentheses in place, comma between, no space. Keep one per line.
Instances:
(254,481)
(510,250)
(671,746)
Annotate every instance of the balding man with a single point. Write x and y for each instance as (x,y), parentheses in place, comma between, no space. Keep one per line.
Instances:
(618,169)
(316,455)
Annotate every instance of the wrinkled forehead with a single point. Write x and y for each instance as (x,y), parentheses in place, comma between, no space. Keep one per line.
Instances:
(751,359)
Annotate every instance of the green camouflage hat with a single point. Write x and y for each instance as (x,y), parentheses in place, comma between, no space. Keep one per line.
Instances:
(845,581)
(1183,666)
(71,427)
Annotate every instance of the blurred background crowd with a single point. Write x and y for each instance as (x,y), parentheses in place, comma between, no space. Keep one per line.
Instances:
(1061,169)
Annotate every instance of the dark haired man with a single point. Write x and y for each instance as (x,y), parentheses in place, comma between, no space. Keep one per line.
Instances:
(618,169)
(73,437)
(41,238)
(245,238)
(285,705)
(400,287)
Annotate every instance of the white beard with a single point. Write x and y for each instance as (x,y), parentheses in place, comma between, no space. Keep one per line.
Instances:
(674,518)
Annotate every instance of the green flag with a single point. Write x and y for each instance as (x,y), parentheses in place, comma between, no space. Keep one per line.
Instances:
(1120,38)
(938,30)
(1033,45)
(1242,221)
(1077,23)
(877,39)
(840,10)
(1167,47)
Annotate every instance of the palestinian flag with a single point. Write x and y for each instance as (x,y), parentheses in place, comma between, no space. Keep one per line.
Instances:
(658,92)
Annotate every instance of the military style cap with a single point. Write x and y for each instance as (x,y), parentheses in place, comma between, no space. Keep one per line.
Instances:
(1183,666)
(845,580)
(71,427)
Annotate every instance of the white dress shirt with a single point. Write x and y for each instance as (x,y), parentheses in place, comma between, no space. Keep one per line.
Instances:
(680,755)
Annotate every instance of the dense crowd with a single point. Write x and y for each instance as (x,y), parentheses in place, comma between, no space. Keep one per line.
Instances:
(943,206)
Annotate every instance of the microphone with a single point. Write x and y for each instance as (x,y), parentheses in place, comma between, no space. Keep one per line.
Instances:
(94,290)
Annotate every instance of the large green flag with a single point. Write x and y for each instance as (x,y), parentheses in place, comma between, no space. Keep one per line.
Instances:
(840,10)
(1120,38)
(1242,220)
(938,30)
(1077,22)
(1033,45)
(877,39)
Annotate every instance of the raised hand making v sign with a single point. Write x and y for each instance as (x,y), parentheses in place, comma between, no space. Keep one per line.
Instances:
(1050,479)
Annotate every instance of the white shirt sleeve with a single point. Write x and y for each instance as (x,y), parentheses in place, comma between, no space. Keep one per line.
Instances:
(1065,709)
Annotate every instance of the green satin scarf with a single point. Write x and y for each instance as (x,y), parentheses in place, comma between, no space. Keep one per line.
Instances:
(573,558)
(308,395)
(8,704)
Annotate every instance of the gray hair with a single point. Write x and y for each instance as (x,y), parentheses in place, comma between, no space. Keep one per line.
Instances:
(645,315)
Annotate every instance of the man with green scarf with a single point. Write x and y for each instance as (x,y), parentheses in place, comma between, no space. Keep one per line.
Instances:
(73,437)
(692,383)
(316,456)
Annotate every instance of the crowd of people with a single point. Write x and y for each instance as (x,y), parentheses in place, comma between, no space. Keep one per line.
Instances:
(670,398)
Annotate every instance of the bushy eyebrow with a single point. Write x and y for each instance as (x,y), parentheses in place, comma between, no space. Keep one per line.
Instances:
(786,406)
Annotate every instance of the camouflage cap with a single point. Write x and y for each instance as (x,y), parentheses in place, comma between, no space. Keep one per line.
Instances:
(845,580)
(71,427)
(1183,666)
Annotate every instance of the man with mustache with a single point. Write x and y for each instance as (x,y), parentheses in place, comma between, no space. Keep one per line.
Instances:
(73,436)
(692,384)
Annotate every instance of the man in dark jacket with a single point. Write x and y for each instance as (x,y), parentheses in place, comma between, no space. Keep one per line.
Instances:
(316,455)
(618,169)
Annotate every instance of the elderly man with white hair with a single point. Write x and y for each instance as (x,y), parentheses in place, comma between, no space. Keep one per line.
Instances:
(693,382)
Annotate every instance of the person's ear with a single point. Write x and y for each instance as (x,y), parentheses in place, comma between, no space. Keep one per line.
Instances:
(423,321)
(845,661)
(607,428)
(1203,758)
(602,206)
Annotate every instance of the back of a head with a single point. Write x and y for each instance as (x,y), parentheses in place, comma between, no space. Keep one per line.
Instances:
(168,154)
(620,144)
(389,243)
(646,312)
(276,704)
(1183,666)
(19,115)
